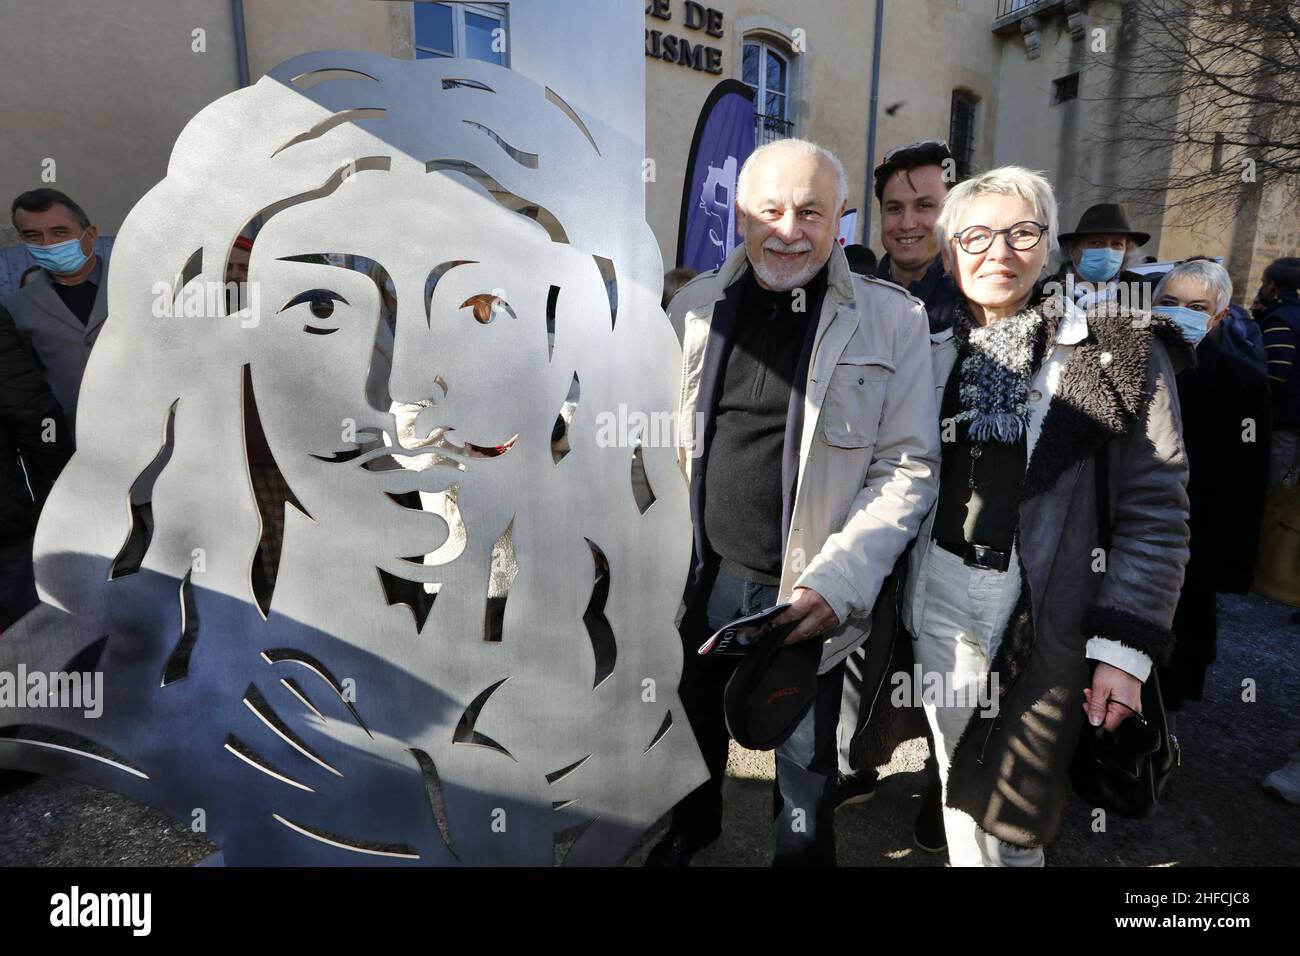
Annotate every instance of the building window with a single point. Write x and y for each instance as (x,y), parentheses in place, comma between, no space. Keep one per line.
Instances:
(473,30)
(767,70)
(1065,89)
(1216,154)
(961,131)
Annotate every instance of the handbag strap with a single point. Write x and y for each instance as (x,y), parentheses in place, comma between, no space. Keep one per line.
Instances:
(1152,700)
(1101,459)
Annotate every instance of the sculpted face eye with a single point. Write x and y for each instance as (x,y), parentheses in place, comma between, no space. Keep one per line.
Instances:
(486,306)
(320,302)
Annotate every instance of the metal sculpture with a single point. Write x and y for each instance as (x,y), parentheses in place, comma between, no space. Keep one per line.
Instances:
(459,646)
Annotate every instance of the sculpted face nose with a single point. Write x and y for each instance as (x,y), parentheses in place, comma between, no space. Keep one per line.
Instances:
(413,378)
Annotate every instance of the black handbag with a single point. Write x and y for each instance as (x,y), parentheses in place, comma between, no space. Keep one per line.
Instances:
(1125,772)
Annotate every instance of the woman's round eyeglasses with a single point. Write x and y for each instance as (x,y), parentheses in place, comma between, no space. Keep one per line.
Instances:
(1021,236)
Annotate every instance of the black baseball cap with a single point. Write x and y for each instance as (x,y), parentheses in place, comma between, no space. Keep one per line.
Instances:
(771,689)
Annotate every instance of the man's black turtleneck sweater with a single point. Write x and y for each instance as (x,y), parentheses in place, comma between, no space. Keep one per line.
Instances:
(742,483)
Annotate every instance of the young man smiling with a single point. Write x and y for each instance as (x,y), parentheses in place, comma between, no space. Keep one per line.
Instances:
(910,186)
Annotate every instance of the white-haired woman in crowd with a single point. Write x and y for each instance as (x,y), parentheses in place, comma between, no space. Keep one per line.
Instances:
(1226,411)
(1006,598)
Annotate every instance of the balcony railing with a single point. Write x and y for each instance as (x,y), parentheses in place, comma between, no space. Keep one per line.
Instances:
(1011,12)
(768,128)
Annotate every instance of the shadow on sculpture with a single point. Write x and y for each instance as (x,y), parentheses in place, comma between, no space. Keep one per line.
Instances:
(347,599)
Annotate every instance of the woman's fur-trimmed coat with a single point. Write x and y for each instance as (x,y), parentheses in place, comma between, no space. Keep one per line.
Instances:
(1117,387)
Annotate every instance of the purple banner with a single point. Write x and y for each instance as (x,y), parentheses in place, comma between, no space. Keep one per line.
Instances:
(724,138)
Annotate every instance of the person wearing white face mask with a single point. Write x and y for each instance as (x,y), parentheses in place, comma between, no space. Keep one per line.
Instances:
(1094,257)
(61,311)
(1228,474)
(1060,430)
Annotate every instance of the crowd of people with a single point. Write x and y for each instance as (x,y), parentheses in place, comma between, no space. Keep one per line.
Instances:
(921,456)
(1046,517)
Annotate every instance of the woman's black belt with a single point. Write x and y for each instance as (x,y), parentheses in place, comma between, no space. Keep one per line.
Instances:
(978,555)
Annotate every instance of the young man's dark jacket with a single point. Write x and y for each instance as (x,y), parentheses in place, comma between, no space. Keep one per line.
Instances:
(936,289)
(1281,325)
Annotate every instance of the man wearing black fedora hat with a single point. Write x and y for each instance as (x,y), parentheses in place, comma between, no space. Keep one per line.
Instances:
(1094,257)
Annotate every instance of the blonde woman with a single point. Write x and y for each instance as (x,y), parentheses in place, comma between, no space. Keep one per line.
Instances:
(1026,627)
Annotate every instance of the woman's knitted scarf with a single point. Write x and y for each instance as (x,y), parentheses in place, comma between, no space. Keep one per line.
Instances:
(998,364)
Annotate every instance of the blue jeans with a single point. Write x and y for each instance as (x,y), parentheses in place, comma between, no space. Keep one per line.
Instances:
(805,764)
(807,767)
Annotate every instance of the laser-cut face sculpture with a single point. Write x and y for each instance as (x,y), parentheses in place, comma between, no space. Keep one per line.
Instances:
(471,336)
(459,646)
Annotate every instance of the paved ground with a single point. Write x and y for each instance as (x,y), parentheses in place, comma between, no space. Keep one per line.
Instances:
(1214,813)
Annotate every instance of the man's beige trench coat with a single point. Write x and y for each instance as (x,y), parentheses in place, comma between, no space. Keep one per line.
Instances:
(869,450)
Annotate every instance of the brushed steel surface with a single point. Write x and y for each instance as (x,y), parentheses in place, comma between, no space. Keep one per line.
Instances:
(337,730)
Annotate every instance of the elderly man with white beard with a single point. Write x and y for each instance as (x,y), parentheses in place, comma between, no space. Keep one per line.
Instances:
(811,443)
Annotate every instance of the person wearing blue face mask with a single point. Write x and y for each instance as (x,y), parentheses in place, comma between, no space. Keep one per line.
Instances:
(1193,323)
(1093,259)
(1228,472)
(60,312)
